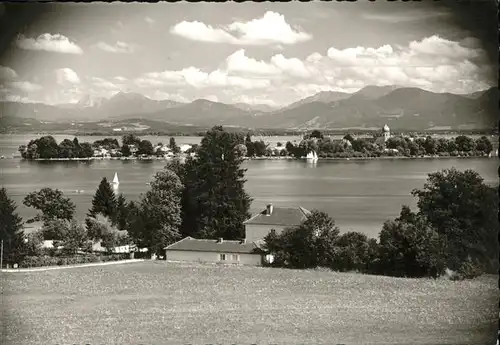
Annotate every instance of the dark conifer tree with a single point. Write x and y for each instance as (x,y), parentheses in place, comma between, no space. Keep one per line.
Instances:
(11,225)
(121,212)
(215,202)
(104,201)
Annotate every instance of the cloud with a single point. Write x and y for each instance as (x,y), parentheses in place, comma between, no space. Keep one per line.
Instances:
(270,29)
(279,65)
(197,78)
(238,62)
(105,84)
(67,76)
(212,98)
(254,100)
(24,86)
(52,43)
(161,95)
(149,20)
(7,73)
(433,63)
(120,79)
(119,47)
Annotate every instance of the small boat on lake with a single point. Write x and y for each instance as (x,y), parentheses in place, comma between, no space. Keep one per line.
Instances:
(116,182)
(312,156)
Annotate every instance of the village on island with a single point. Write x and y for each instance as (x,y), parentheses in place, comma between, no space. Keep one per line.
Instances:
(312,147)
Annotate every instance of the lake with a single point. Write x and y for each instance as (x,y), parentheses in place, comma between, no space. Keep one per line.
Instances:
(359,195)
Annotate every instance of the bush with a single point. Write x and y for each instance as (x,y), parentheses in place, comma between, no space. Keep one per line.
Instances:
(468,270)
(410,248)
(43,261)
(352,251)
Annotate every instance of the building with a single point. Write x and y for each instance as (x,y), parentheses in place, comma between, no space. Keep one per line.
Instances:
(214,251)
(385,135)
(277,218)
(246,252)
(387,132)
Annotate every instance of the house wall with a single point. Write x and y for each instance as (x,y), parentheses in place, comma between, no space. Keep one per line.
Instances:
(255,232)
(195,256)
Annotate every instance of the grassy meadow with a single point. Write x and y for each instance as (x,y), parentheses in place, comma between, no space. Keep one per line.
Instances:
(173,303)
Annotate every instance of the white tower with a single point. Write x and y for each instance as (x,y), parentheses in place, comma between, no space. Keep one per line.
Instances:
(387,133)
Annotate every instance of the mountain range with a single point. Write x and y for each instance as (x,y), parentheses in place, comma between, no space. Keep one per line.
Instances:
(400,107)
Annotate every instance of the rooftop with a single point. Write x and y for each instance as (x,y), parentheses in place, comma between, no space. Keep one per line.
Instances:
(283,216)
(203,245)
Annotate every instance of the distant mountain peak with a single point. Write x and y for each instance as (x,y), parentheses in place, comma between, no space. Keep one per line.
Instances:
(129,96)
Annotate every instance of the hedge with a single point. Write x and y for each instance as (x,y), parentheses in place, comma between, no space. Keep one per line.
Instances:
(43,261)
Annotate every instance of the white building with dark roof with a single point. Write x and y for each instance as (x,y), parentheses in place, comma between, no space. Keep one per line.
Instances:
(247,251)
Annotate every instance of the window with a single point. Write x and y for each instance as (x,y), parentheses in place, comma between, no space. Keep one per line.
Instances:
(222,257)
(236,257)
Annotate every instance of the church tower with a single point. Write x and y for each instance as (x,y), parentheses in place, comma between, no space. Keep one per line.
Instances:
(387,133)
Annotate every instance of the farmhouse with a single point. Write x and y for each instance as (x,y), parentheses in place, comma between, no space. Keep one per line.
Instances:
(221,251)
(277,218)
(247,251)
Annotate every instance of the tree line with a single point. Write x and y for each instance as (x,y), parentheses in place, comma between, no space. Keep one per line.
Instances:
(46,147)
(455,226)
(350,147)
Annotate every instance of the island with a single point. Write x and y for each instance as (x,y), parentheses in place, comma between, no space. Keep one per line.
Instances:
(312,147)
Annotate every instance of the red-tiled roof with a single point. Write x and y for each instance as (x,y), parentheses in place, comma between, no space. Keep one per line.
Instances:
(283,216)
(201,245)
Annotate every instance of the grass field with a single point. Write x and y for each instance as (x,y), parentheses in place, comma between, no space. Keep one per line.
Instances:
(172,303)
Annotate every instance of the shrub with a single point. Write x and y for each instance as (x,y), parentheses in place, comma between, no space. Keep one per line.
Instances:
(410,248)
(352,252)
(468,270)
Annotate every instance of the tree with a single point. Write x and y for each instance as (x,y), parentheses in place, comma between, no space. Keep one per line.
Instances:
(51,203)
(125,150)
(55,229)
(130,139)
(71,235)
(47,147)
(11,228)
(351,252)
(77,148)
(104,201)
(316,134)
(462,209)
(215,202)
(259,148)
(430,145)
(464,143)
(160,209)
(484,144)
(145,148)
(303,246)
(101,228)
(290,148)
(410,247)
(349,137)
(86,150)
(67,149)
(121,212)
(173,146)
(249,145)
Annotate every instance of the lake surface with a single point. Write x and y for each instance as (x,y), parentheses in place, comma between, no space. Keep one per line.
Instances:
(359,195)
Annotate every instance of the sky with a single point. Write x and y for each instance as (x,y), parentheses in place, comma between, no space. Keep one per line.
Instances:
(254,53)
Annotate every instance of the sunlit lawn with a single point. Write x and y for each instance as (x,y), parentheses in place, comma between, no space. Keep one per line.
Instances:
(164,303)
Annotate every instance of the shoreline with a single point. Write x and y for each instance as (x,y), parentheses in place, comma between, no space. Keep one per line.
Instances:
(258,158)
